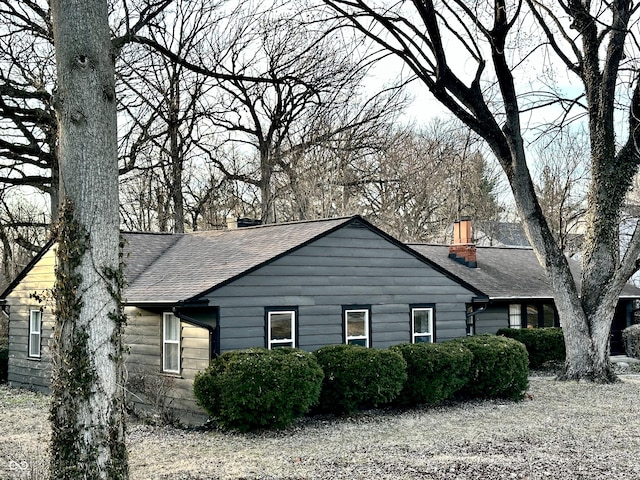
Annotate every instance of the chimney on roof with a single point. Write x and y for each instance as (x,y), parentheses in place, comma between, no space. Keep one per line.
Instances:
(232,222)
(463,250)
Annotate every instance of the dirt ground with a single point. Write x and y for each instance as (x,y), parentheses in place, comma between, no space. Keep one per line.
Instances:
(561,431)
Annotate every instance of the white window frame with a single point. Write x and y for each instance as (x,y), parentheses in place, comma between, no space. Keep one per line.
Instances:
(414,310)
(287,342)
(349,338)
(166,341)
(515,315)
(35,334)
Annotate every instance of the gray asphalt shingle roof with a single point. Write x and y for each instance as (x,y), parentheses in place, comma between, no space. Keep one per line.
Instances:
(503,272)
(182,266)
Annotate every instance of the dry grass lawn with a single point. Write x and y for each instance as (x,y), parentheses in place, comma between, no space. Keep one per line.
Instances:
(562,431)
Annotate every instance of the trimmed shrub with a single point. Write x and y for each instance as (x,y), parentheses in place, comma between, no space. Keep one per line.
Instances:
(499,367)
(543,344)
(259,388)
(631,340)
(356,377)
(435,371)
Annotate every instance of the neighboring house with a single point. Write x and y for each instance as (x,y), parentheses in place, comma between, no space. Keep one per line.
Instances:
(509,234)
(500,234)
(193,296)
(517,287)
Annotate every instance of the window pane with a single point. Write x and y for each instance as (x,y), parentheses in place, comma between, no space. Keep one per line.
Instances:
(358,341)
(35,328)
(34,345)
(35,321)
(171,357)
(532,316)
(549,315)
(423,339)
(281,326)
(282,344)
(515,320)
(171,328)
(356,325)
(421,321)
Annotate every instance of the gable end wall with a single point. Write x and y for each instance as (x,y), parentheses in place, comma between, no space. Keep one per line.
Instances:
(351,266)
(26,372)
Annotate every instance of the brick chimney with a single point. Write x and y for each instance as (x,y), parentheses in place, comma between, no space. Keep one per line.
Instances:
(463,250)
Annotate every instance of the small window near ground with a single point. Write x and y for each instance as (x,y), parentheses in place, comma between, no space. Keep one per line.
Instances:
(515,316)
(356,327)
(170,343)
(281,329)
(35,333)
(422,325)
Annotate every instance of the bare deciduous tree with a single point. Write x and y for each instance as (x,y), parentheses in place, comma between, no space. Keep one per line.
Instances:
(87,408)
(428,179)
(593,42)
(314,99)
(562,178)
(27,118)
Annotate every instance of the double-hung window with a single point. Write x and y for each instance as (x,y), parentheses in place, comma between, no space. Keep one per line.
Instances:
(35,333)
(281,328)
(170,343)
(422,325)
(356,326)
(515,315)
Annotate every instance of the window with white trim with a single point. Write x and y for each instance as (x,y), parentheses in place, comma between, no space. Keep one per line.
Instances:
(170,343)
(422,325)
(515,315)
(281,329)
(356,326)
(35,333)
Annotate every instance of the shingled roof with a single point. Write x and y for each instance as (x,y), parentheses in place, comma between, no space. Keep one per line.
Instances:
(180,267)
(503,272)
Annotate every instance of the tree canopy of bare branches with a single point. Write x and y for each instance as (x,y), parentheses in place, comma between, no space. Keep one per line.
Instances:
(501,43)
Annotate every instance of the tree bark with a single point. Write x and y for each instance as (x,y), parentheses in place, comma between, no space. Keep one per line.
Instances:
(588,42)
(87,411)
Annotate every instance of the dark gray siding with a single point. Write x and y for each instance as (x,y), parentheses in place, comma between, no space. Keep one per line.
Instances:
(494,318)
(351,266)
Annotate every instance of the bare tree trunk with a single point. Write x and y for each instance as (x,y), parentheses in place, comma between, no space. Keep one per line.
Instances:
(177,161)
(267,198)
(87,413)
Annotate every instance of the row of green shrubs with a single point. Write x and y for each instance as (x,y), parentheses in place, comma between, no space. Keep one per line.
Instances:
(543,344)
(260,388)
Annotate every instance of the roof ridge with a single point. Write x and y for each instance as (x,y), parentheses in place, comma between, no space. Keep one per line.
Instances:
(275,225)
(139,232)
(492,247)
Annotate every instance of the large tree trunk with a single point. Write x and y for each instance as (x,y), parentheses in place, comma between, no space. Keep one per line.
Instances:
(87,413)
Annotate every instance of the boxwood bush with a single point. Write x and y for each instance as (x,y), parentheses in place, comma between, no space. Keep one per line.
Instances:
(435,371)
(543,344)
(631,340)
(499,367)
(259,388)
(356,377)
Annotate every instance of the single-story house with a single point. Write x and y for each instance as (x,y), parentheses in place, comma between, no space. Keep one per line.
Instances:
(195,295)
(518,290)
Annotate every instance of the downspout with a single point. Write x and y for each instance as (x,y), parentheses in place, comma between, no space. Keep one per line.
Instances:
(473,313)
(197,323)
(479,310)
